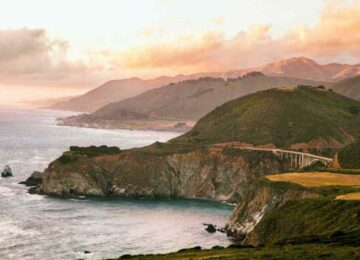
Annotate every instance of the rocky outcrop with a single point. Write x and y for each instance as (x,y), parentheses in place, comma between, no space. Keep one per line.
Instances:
(6,172)
(260,199)
(34,180)
(205,174)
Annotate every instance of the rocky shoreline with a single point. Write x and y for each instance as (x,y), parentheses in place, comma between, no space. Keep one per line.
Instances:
(221,174)
(158,172)
(85,121)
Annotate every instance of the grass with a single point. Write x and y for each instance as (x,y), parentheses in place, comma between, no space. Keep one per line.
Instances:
(162,149)
(310,221)
(279,117)
(349,196)
(306,251)
(317,179)
(335,170)
(349,156)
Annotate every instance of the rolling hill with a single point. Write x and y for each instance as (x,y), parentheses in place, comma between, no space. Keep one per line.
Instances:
(186,100)
(349,87)
(295,118)
(111,91)
(118,90)
(302,67)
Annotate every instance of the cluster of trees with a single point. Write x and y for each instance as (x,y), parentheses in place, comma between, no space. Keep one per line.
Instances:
(77,153)
(194,81)
(248,75)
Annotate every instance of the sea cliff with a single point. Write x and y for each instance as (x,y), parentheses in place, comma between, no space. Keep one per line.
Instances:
(266,212)
(159,172)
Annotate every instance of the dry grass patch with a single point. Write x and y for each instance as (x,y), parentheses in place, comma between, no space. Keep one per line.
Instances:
(318,179)
(349,196)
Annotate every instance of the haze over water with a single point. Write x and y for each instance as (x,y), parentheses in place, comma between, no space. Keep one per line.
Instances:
(41,227)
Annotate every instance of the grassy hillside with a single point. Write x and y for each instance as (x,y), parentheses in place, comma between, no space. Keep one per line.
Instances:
(282,117)
(349,156)
(316,220)
(349,87)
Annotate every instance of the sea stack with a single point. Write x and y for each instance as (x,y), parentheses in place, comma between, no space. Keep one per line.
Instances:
(6,172)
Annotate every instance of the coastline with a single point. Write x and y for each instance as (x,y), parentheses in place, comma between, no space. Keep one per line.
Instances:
(179,126)
(297,251)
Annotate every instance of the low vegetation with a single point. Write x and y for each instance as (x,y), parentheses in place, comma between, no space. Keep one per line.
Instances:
(76,153)
(349,156)
(282,118)
(317,179)
(319,220)
(252,156)
(305,251)
(162,149)
(349,196)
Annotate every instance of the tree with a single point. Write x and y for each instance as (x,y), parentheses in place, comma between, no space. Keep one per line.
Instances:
(354,110)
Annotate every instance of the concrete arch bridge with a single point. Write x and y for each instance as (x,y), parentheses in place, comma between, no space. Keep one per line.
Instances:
(297,159)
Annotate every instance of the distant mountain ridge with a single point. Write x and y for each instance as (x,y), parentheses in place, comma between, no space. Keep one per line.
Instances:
(184,101)
(109,92)
(117,90)
(302,67)
(349,87)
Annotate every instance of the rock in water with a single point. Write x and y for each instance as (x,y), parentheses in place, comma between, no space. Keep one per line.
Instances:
(6,172)
(211,228)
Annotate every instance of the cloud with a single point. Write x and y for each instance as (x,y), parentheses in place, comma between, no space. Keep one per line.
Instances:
(335,35)
(183,52)
(31,57)
(28,56)
(337,32)
(194,53)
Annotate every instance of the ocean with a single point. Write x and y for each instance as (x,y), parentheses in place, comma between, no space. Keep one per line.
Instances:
(43,227)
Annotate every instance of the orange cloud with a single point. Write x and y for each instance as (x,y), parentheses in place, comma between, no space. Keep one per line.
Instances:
(338,31)
(30,57)
(336,35)
(185,51)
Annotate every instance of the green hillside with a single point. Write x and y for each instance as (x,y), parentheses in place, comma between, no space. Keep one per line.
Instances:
(349,156)
(282,117)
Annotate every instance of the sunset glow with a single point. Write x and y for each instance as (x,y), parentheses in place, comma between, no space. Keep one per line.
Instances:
(68,47)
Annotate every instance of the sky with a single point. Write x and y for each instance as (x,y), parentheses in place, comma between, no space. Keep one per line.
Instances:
(60,48)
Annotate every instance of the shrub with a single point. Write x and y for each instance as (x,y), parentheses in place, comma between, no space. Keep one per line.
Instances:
(314,166)
(76,153)
(349,156)
(354,110)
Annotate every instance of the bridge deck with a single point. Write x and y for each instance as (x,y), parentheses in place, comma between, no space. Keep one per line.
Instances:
(279,151)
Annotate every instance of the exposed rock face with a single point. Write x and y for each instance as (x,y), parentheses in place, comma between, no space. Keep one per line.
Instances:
(198,174)
(259,200)
(210,228)
(34,180)
(6,172)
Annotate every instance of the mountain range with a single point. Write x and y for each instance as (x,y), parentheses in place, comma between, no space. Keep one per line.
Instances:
(349,87)
(181,102)
(118,90)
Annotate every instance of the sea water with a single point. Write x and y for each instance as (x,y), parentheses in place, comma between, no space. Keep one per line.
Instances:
(42,227)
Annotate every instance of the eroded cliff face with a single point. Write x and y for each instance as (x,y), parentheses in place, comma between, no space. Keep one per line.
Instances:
(210,174)
(258,200)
